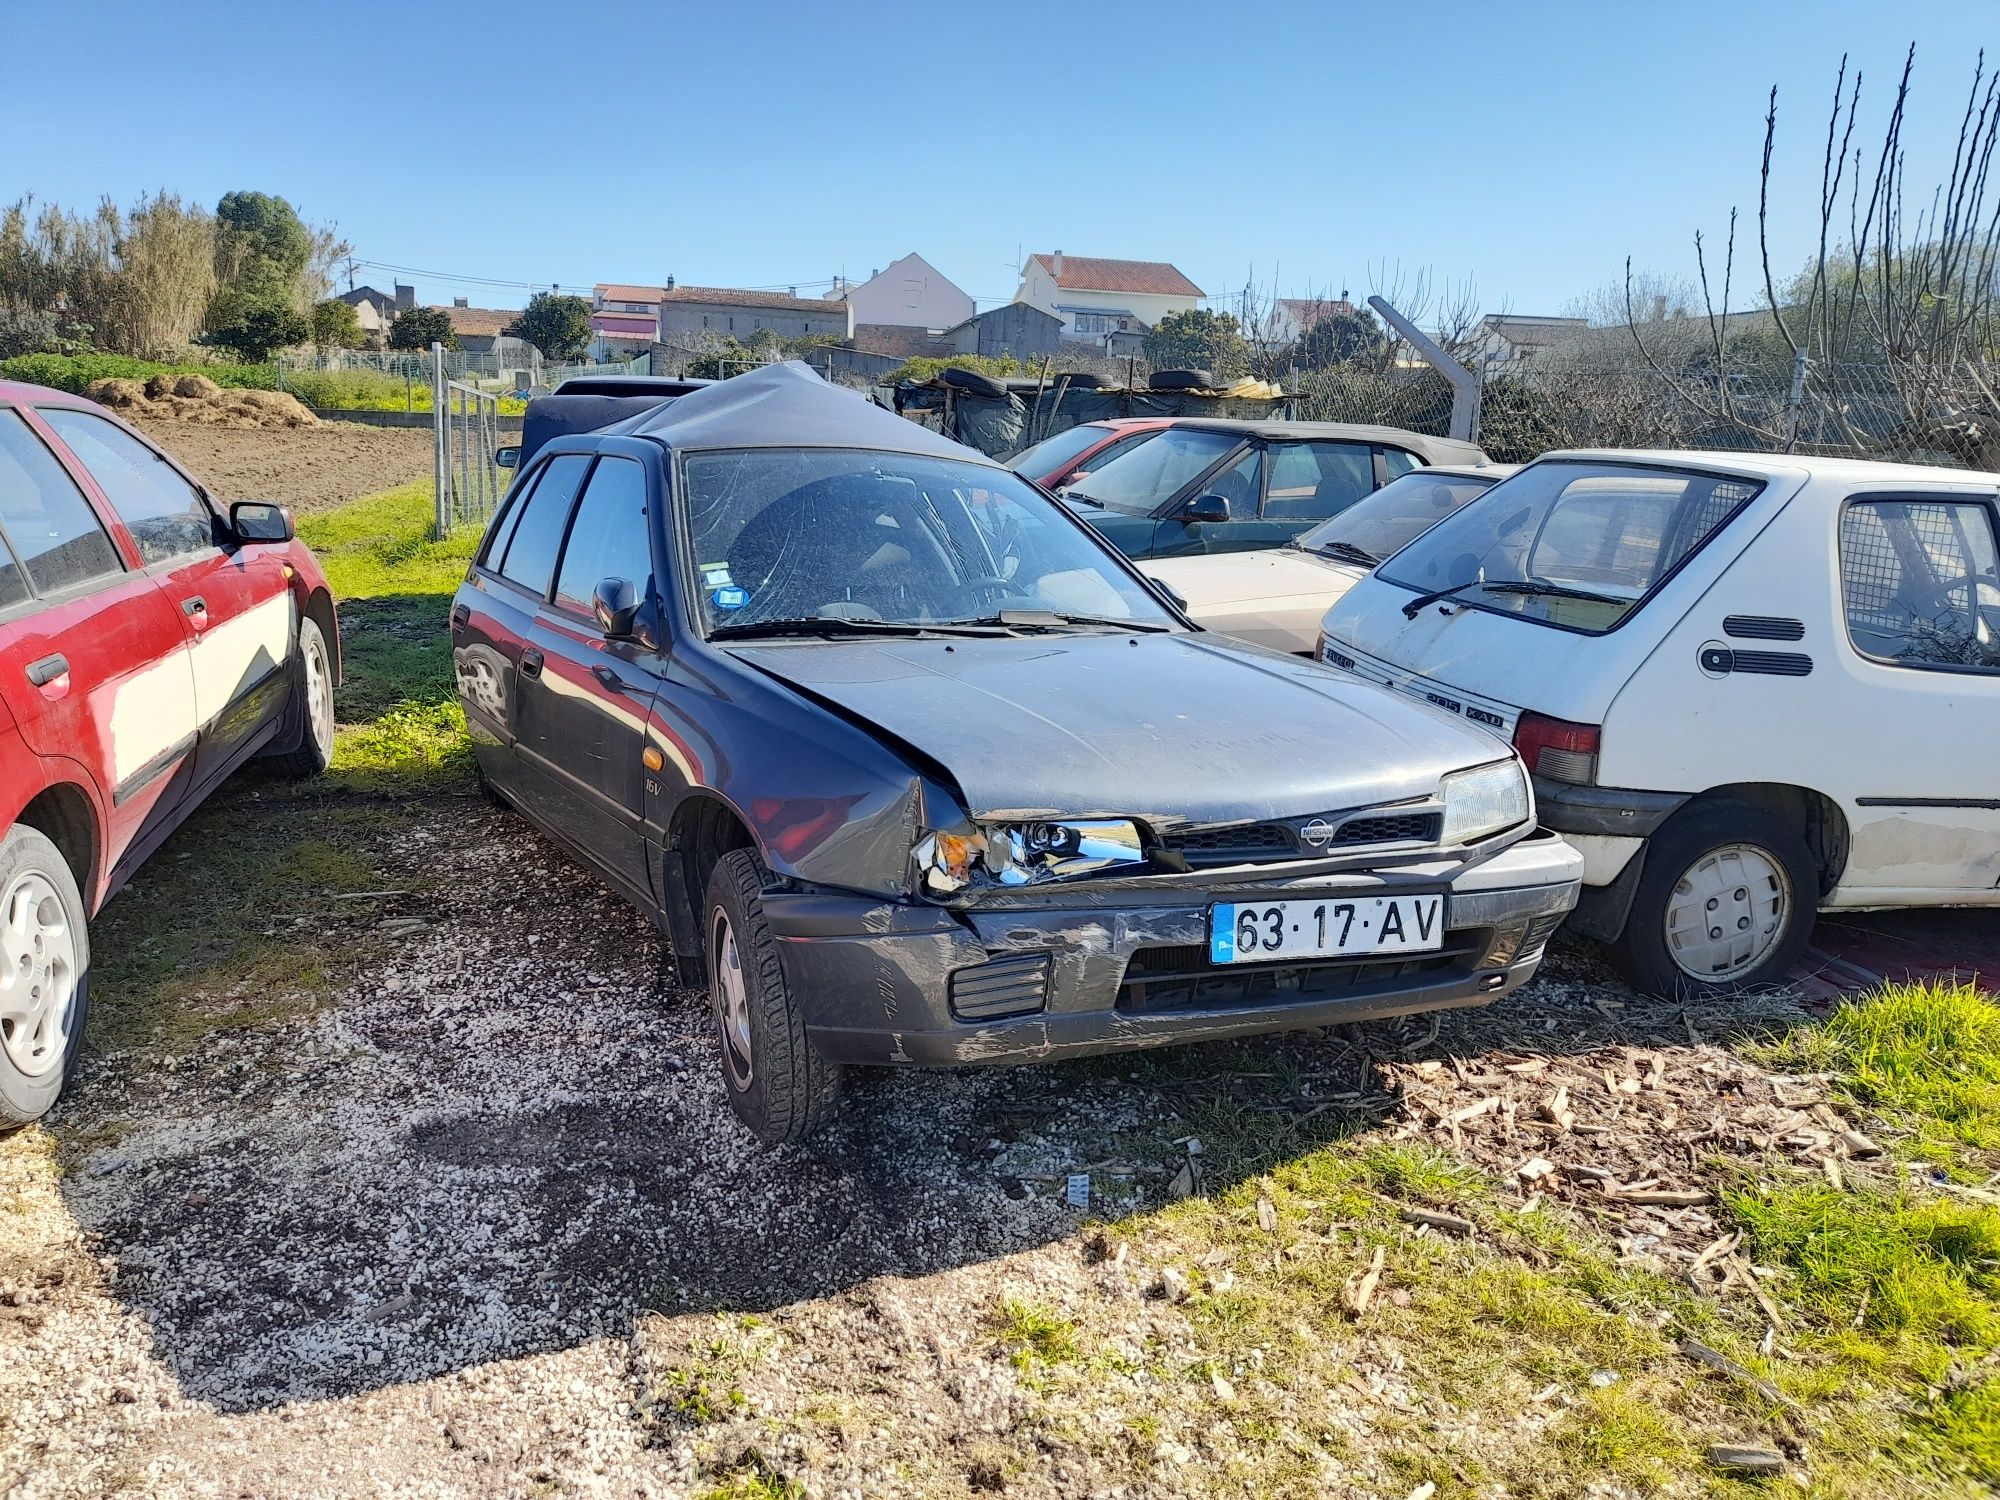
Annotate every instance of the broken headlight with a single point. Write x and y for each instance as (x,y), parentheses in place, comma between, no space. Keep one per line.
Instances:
(1011,854)
(1483,801)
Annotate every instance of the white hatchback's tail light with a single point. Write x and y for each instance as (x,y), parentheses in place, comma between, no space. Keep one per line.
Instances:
(1558,749)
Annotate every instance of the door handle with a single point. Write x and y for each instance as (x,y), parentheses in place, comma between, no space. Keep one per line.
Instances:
(194,604)
(609,678)
(48,669)
(531,662)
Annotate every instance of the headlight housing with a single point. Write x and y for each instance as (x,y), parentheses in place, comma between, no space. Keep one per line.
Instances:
(1484,801)
(1014,854)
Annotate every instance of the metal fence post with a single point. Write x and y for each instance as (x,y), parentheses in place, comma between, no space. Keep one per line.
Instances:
(1795,401)
(1464,385)
(441,440)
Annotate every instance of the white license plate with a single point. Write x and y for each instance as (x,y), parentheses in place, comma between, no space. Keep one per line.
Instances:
(1260,931)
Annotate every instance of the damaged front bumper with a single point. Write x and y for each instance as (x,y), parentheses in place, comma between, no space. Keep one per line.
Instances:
(1102,968)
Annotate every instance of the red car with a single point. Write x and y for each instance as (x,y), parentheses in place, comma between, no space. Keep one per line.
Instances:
(1075,451)
(149,645)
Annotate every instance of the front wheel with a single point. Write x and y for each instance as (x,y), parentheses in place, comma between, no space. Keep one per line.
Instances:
(312,701)
(1725,904)
(777,1082)
(44,975)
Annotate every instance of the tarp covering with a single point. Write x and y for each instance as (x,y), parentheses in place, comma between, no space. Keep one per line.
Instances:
(1001,426)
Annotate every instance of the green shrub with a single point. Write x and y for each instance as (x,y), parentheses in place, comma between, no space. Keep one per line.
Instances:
(75,372)
(925,367)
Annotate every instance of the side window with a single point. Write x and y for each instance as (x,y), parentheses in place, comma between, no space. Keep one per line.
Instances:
(537,538)
(501,529)
(1311,481)
(49,528)
(1921,579)
(165,515)
(1238,485)
(608,539)
(1397,463)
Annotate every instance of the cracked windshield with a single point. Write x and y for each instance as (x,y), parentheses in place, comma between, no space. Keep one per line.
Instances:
(893,539)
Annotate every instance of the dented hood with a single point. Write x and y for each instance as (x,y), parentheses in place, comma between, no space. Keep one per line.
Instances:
(1171,728)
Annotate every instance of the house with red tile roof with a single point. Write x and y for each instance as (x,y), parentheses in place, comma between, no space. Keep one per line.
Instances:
(1099,300)
(629,317)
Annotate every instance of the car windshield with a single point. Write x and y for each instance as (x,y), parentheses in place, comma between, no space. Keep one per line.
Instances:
(1575,544)
(1140,478)
(859,538)
(1394,516)
(1057,452)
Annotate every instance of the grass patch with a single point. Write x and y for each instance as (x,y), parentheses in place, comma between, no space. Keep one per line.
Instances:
(402,729)
(1032,1334)
(1924,1056)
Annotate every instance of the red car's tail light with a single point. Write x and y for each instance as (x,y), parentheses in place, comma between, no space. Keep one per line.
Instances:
(1558,749)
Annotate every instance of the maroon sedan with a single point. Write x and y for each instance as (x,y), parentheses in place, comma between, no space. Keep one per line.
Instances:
(1074,452)
(150,643)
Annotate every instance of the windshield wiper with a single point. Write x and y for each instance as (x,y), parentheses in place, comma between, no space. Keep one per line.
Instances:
(824,625)
(1529,586)
(1345,550)
(1052,619)
(1082,499)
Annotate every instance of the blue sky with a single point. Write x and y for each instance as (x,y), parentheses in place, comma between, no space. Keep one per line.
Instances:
(1528,148)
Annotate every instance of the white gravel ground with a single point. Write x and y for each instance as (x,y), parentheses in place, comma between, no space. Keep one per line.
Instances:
(467,1229)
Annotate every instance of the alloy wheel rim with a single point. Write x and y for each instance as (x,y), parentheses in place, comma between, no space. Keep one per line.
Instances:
(38,974)
(319,693)
(1728,913)
(732,1003)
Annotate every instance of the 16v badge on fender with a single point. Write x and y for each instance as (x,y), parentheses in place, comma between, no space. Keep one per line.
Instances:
(1324,927)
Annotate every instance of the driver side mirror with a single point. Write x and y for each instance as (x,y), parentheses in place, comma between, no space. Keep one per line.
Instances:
(1205,509)
(508,457)
(615,602)
(260,521)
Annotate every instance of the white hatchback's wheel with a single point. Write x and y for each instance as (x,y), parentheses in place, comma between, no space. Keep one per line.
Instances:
(312,700)
(1728,913)
(1725,901)
(44,974)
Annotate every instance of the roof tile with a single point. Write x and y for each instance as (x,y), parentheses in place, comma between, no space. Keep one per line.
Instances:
(1156,278)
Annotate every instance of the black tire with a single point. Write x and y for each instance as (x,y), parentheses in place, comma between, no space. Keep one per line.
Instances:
(1644,950)
(1078,380)
(29,863)
(778,1084)
(1181,380)
(486,788)
(312,703)
(972,382)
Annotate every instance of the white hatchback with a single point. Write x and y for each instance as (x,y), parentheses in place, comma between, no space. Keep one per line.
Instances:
(1749,687)
(1275,596)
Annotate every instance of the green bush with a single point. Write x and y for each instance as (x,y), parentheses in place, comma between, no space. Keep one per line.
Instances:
(926,367)
(74,372)
(366,390)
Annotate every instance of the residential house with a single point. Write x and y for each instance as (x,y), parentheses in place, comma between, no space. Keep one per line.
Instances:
(1012,328)
(483,330)
(624,319)
(1107,302)
(1508,340)
(908,293)
(375,310)
(1290,317)
(690,311)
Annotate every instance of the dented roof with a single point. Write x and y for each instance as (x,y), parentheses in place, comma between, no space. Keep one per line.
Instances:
(787,406)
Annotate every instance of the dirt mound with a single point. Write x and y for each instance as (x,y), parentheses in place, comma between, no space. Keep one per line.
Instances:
(199,400)
(307,468)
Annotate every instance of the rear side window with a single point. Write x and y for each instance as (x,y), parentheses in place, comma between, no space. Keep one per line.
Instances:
(531,551)
(1311,481)
(165,515)
(51,532)
(608,538)
(1921,580)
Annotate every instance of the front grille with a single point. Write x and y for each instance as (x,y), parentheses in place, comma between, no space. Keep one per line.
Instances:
(1251,843)
(1231,846)
(1391,828)
(1011,986)
(1180,977)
